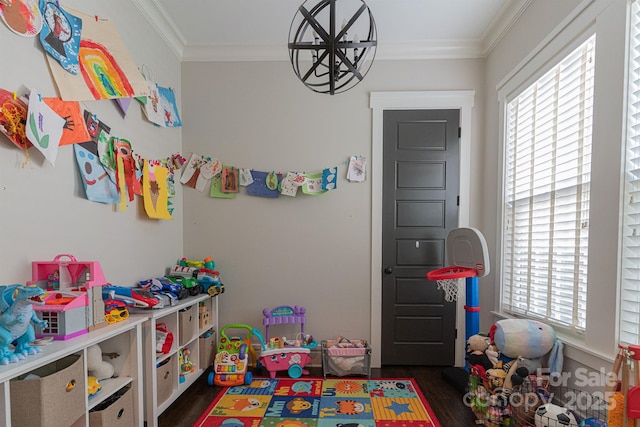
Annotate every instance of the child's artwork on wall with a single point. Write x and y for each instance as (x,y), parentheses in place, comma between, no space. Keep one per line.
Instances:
(107,70)
(154,190)
(357,168)
(44,127)
(245,177)
(124,104)
(168,107)
(313,184)
(291,183)
(329,181)
(13,116)
(22,17)
(75,128)
(126,177)
(152,107)
(265,184)
(217,189)
(199,171)
(229,180)
(98,185)
(60,35)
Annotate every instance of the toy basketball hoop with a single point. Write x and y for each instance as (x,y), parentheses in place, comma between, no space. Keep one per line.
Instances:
(451,279)
(467,252)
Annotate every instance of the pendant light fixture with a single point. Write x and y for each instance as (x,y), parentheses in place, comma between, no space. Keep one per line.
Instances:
(332,44)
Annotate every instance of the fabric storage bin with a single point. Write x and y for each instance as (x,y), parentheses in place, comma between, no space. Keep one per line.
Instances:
(207,350)
(345,361)
(188,324)
(117,411)
(166,377)
(52,395)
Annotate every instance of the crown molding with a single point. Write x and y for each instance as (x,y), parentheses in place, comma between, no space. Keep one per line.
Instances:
(389,50)
(501,23)
(157,17)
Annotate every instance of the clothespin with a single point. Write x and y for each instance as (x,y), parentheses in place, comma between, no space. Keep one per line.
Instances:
(14,95)
(96,18)
(40,97)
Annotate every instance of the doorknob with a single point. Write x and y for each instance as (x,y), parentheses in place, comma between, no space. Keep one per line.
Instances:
(388,270)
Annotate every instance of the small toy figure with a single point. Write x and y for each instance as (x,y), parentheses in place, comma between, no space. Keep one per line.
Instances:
(16,315)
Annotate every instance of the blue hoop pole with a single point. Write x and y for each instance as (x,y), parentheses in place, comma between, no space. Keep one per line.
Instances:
(472,307)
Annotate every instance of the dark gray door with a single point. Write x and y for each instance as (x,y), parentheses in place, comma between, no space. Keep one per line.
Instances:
(420,207)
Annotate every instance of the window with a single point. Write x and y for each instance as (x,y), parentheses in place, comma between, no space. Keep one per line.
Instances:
(630,293)
(546,194)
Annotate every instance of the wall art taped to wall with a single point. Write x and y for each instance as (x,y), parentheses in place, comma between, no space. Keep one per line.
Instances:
(107,70)
(60,35)
(265,184)
(75,128)
(44,127)
(98,185)
(154,190)
(168,107)
(13,116)
(23,17)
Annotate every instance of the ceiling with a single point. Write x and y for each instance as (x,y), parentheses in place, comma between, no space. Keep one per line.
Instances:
(237,30)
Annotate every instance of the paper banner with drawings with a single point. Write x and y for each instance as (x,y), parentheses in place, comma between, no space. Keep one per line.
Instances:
(75,128)
(168,107)
(60,35)
(265,184)
(313,184)
(357,168)
(23,17)
(98,185)
(44,127)
(291,182)
(107,70)
(216,191)
(13,116)
(154,190)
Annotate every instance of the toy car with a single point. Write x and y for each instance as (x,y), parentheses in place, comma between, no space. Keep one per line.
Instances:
(138,296)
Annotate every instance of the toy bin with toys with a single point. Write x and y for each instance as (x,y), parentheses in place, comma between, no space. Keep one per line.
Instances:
(235,353)
(341,357)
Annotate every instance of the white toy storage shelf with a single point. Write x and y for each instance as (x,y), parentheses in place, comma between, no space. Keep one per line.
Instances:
(63,363)
(189,321)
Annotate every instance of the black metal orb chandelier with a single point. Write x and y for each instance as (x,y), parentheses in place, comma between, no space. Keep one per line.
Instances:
(332,44)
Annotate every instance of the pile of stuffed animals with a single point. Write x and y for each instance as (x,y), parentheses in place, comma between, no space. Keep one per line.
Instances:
(510,356)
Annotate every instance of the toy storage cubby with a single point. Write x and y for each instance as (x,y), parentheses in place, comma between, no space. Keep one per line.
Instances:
(164,379)
(62,363)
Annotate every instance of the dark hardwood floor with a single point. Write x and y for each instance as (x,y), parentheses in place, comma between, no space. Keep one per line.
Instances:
(445,399)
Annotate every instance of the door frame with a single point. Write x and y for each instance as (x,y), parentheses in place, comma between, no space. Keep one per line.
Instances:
(462,100)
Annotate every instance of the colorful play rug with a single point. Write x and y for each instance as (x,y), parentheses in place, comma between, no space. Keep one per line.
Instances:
(314,402)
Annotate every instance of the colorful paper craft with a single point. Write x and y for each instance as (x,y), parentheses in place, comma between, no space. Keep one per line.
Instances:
(217,187)
(107,70)
(229,180)
(13,116)
(154,190)
(329,178)
(75,128)
(313,185)
(168,107)
(60,35)
(44,127)
(23,17)
(291,183)
(124,104)
(98,185)
(259,185)
(152,107)
(245,177)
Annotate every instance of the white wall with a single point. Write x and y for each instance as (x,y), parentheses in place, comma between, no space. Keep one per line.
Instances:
(313,251)
(43,209)
(545,28)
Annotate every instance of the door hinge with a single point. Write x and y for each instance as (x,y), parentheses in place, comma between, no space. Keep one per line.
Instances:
(459,132)
(458,201)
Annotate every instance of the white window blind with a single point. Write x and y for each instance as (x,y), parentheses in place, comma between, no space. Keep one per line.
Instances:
(630,303)
(546,188)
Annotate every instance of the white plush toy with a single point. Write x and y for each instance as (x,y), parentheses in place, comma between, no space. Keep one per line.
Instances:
(96,366)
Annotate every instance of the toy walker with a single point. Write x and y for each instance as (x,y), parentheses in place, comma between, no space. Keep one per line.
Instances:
(231,365)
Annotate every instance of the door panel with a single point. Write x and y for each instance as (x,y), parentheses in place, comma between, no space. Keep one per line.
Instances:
(420,191)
